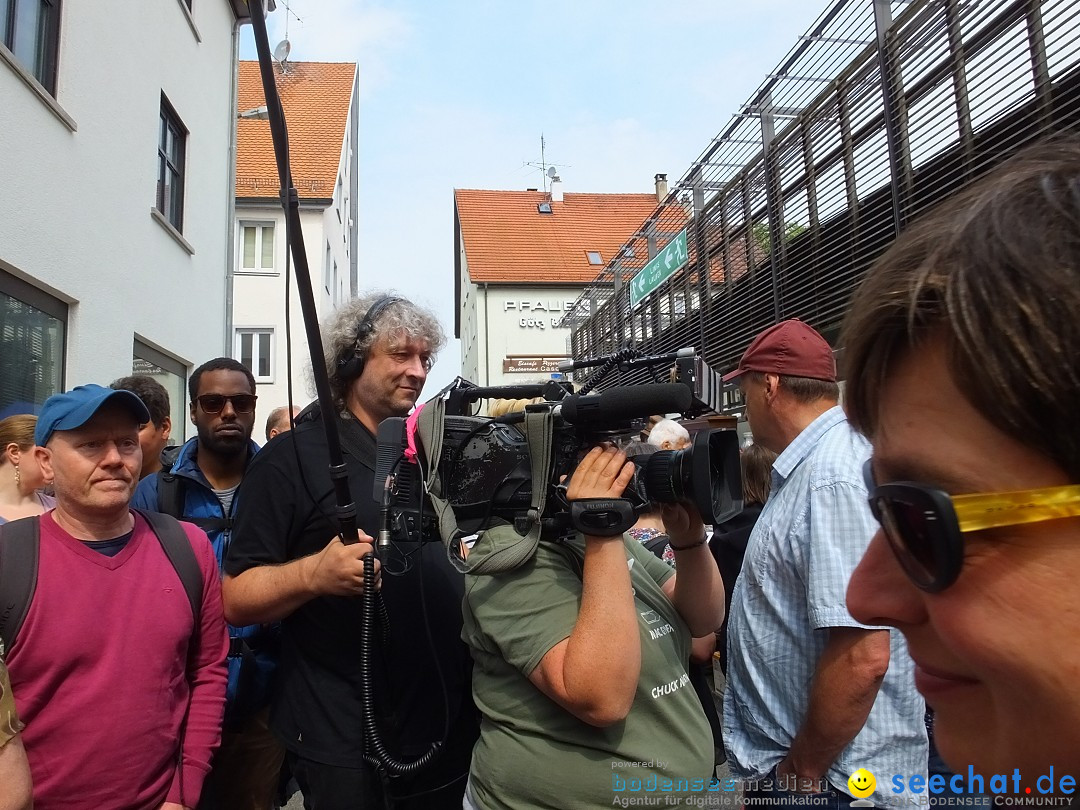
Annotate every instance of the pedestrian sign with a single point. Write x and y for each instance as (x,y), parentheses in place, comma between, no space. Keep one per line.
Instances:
(660,268)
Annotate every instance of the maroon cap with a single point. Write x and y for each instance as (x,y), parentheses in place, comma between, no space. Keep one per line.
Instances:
(791,348)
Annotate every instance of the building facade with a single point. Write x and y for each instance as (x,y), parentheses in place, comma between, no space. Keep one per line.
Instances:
(115,155)
(320,100)
(521,260)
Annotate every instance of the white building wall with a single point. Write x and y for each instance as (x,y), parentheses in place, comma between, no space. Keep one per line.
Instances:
(75,213)
(259,303)
(517,332)
(335,271)
(471,326)
(259,298)
(471,329)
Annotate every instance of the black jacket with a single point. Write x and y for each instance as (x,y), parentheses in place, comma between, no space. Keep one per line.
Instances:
(728,547)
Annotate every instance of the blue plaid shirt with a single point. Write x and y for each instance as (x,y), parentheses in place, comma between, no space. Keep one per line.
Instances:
(812,533)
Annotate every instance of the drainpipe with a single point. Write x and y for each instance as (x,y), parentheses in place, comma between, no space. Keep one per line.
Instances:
(487,344)
(230,191)
(354,188)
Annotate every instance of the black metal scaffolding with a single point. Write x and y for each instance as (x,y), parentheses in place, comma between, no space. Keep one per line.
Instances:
(880,111)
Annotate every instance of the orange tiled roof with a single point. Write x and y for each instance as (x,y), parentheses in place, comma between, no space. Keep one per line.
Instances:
(316,98)
(507,240)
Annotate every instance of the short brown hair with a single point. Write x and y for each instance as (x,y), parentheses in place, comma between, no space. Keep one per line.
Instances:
(995,274)
(153,394)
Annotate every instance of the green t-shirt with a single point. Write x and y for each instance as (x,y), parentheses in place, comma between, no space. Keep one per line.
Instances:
(534,754)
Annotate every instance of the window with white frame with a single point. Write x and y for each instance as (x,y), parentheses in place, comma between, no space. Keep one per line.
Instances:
(255,349)
(256,247)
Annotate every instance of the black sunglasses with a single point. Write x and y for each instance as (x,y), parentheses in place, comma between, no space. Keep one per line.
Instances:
(214,403)
(925,526)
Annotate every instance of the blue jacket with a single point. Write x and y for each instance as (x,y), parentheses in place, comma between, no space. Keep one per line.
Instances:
(201,502)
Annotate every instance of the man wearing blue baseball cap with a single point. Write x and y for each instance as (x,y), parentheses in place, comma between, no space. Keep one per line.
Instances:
(117,665)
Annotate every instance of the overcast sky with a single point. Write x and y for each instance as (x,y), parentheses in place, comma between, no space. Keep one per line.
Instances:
(456,94)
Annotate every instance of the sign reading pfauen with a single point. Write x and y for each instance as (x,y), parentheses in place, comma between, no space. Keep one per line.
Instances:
(539,314)
(531,365)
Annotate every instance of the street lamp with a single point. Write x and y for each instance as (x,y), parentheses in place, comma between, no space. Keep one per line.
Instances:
(257,113)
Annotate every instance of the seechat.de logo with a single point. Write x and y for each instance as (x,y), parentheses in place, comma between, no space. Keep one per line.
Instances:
(860,785)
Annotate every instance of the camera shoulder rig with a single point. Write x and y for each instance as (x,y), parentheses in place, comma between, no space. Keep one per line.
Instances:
(500,547)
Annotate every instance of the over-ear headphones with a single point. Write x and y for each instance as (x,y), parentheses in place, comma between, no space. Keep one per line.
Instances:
(351,362)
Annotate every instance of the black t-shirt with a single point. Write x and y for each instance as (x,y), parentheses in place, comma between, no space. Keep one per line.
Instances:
(317,708)
(110,548)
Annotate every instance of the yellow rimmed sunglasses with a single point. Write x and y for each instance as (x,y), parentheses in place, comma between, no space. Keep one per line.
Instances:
(924,525)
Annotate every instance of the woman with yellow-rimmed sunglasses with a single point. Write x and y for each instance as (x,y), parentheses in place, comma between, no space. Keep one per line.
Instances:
(963,355)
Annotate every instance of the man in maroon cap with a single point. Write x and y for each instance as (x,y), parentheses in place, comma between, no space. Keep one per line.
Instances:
(812,695)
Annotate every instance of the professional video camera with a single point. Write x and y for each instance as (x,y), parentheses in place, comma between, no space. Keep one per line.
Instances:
(487,468)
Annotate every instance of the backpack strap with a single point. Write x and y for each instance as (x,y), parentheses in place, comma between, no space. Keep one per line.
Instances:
(19,545)
(170,501)
(170,494)
(19,541)
(174,541)
(657,545)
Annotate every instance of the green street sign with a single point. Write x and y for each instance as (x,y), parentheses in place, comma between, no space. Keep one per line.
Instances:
(660,268)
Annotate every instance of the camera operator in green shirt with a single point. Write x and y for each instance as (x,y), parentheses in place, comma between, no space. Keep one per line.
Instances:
(580,664)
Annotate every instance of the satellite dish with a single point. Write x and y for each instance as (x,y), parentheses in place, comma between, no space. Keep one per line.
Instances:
(281,52)
(551,172)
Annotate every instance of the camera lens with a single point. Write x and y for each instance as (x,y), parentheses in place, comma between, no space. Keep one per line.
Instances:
(662,476)
(706,474)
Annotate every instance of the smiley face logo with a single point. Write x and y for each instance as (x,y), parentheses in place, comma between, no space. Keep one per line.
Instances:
(861,783)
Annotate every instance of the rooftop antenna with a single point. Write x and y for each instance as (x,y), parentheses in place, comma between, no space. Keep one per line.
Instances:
(283,48)
(548,170)
(281,53)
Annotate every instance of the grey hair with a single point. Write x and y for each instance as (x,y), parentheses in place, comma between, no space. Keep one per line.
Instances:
(667,430)
(401,319)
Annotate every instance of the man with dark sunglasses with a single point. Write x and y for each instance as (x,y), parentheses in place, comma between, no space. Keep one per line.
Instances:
(812,694)
(198,484)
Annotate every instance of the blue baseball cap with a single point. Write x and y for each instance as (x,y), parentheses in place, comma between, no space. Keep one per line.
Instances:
(76,407)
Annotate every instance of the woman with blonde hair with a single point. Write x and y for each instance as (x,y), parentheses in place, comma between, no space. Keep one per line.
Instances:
(21,476)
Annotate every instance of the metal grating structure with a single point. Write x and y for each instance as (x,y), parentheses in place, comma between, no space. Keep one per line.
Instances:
(881,111)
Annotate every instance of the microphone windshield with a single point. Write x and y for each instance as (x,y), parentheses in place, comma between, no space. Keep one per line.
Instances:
(626,402)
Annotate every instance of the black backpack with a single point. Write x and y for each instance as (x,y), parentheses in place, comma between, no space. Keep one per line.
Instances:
(19,544)
(170,501)
(245,695)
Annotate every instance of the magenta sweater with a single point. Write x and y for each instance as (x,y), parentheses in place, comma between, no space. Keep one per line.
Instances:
(106,667)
